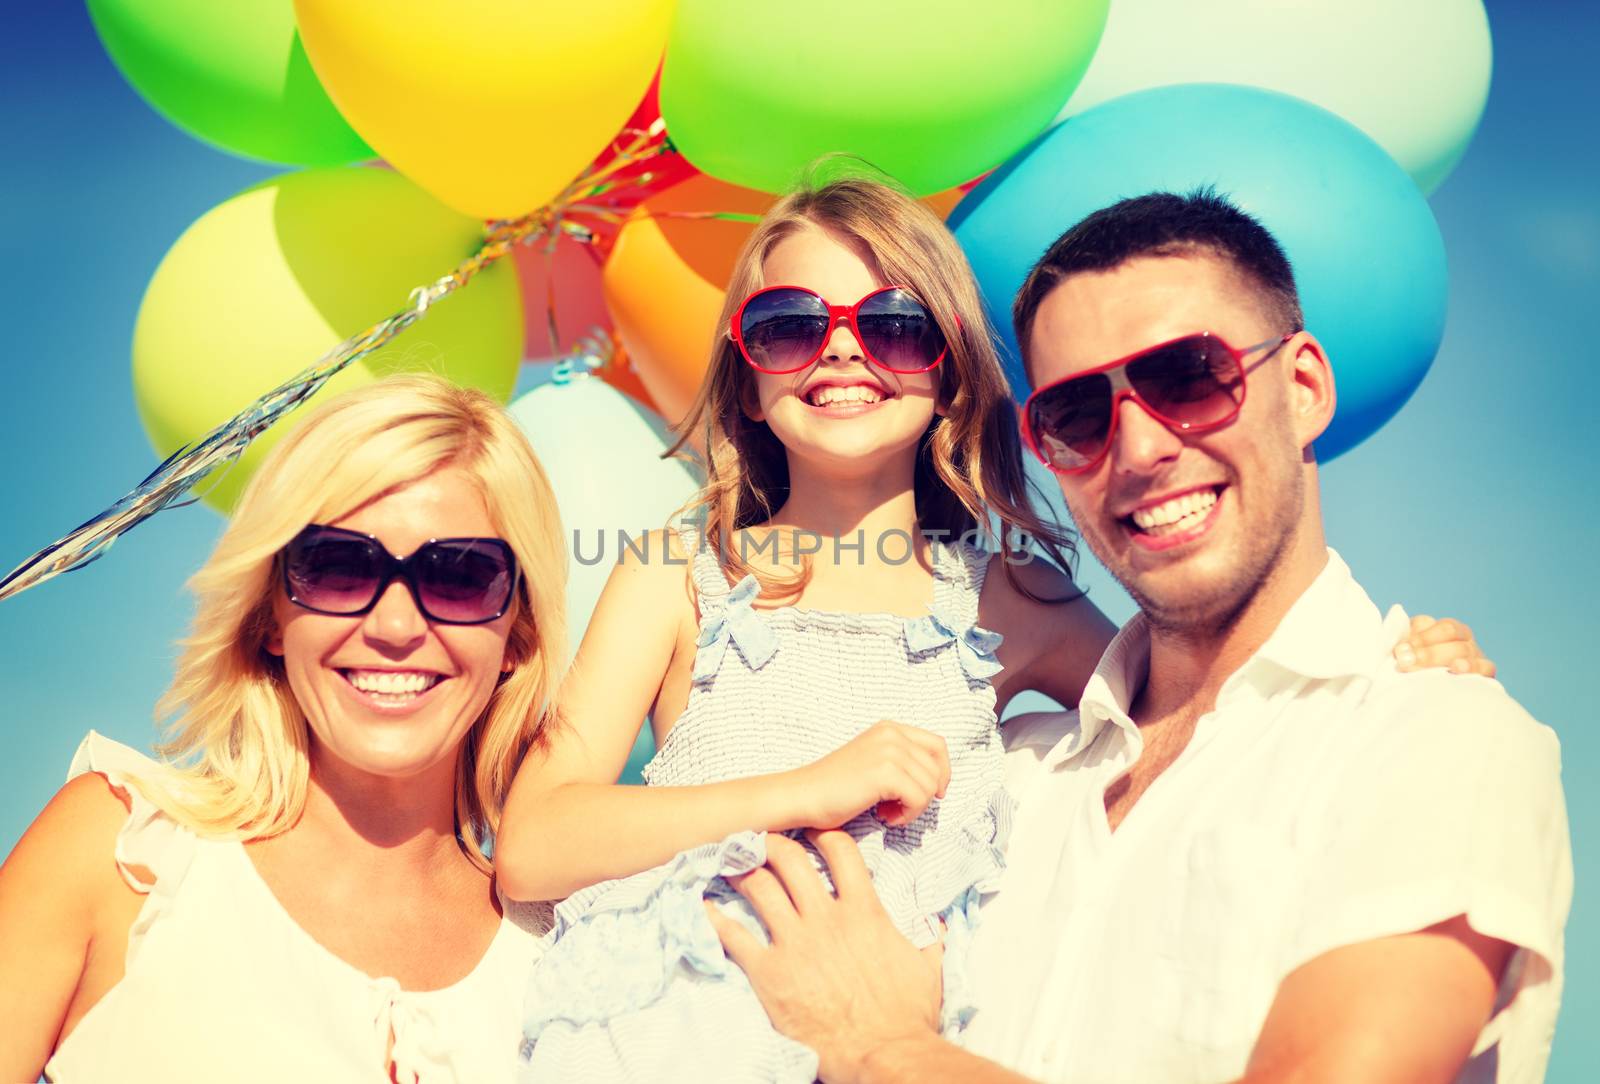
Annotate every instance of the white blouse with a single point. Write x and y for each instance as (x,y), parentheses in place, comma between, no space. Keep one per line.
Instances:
(222,984)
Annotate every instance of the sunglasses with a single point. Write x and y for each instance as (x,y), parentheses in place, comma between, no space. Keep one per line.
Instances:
(454,581)
(1190,385)
(783,329)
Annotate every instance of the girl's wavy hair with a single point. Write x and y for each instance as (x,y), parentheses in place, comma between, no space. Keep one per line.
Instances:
(969,464)
(237,749)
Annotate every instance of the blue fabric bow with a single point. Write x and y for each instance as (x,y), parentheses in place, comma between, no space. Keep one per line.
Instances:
(975,647)
(740,623)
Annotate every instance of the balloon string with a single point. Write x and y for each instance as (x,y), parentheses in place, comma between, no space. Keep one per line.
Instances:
(182,471)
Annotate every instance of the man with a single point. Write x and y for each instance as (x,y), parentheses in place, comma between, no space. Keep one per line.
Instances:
(1256,850)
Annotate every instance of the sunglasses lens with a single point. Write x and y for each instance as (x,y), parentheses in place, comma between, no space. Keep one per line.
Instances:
(1069,422)
(899,332)
(1193,381)
(464,581)
(783,329)
(333,573)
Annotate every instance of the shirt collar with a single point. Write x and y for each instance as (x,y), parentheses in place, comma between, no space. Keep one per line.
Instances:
(1333,630)
(1110,691)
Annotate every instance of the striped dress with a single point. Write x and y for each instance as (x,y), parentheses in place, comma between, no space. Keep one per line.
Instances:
(635,985)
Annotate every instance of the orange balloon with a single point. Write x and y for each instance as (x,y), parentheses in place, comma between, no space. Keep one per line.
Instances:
(944,202)
(667,276)
(620,374)
(665,280)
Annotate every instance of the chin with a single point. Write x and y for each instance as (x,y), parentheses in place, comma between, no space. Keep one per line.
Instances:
(390,748)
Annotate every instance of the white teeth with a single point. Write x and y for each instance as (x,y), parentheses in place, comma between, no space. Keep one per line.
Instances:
(392,682)
(1178,514)
(834,393)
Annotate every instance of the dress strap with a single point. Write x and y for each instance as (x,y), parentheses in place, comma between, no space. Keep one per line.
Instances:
(153,850)
(959,570)
(710,584)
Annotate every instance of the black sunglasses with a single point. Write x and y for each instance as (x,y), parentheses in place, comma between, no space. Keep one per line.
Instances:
(454,581)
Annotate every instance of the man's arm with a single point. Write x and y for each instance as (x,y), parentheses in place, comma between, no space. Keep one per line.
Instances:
(840,977)
(1406,1009)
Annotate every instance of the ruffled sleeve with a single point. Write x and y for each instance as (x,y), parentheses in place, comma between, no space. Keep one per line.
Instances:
(153,851)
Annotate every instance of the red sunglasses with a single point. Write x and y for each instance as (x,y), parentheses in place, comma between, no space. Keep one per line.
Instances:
(783,329)
(1190,385)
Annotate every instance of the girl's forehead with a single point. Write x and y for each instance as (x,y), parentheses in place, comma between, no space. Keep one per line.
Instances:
(824,260)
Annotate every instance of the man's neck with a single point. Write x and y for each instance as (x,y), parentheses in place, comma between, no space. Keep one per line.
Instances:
(1188,666)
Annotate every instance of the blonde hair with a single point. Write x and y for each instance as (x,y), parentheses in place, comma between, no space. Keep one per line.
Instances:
(238,747)
(970,460)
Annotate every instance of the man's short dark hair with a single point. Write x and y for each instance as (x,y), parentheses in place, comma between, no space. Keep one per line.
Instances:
(1164,224)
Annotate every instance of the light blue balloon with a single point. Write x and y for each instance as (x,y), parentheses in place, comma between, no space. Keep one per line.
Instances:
(1367,254)
(602,453)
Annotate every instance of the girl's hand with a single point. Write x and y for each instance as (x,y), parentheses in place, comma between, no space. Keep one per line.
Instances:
(1446,643)
(899,769)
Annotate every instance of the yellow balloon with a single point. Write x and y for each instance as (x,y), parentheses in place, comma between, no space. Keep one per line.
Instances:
(491,106)
(263,285)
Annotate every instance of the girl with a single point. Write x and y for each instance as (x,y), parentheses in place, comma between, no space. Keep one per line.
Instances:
(854,412)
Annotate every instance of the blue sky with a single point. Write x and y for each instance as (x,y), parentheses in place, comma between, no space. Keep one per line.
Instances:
(1476,501)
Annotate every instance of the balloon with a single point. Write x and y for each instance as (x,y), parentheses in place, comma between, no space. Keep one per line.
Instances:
(752,92)
(560,282)
(602,453)
(232,74)
(665,279)
(620,373)
(1414,76)
(1366,251)
(263,285)
(492,107)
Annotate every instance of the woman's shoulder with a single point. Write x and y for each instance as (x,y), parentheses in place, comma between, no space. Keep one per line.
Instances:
(66,863)
(80,824)
(148,843)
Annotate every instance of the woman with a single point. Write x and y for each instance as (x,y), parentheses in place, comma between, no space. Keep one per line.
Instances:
(303,889)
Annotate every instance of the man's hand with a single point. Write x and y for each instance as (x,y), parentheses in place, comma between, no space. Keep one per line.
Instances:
(838,976)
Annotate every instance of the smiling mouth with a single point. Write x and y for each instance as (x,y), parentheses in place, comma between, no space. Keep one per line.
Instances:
(843,396)
(1178,516)
(391,687)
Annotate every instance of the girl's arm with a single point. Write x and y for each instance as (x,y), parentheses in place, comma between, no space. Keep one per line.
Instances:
(568,824)
(1049,647)
(57,887)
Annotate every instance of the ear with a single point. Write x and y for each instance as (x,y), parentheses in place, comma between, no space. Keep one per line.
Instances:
(274,642)
(1312,396)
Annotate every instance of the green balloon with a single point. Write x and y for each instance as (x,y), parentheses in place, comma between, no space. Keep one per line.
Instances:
(231,73)
(265,284)
(933,92)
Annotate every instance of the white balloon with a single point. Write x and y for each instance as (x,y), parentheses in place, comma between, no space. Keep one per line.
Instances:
(1412,74)
(602,453)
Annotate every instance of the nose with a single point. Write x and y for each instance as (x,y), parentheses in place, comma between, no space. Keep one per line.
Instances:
(842,345)
(395,625)
(1142,442)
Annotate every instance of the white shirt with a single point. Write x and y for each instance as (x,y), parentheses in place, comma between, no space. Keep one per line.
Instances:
(223,985)
(1327,800)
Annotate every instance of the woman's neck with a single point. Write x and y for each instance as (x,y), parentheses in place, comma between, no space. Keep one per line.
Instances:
(381,826)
